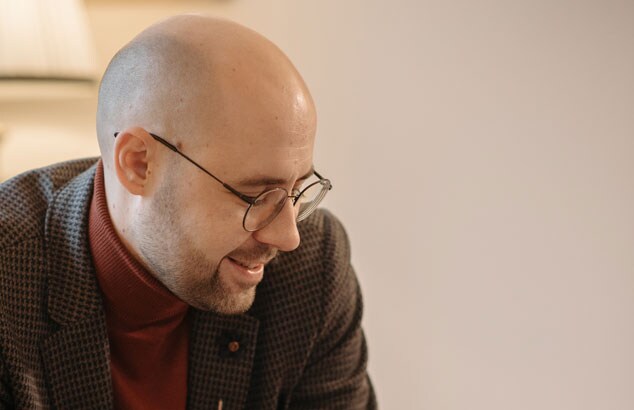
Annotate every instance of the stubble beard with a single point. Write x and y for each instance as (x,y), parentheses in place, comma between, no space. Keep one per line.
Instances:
(187,274)
(194,280)
(211,293)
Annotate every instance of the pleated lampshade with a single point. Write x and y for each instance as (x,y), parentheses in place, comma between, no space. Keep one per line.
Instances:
(45,40)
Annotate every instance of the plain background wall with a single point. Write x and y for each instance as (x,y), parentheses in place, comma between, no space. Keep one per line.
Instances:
(481,153)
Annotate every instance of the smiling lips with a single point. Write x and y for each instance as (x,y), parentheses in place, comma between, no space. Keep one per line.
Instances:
(245,275)
(252,268)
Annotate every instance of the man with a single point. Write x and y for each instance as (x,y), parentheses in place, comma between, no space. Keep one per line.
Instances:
(169,274)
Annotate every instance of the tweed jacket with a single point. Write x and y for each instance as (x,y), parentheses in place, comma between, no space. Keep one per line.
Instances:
(300,345)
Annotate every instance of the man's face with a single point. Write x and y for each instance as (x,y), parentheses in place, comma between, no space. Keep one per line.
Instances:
(191,236)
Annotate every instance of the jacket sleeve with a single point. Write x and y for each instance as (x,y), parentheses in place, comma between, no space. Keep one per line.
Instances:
(336,375)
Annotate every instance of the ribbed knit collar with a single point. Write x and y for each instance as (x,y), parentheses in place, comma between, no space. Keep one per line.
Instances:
(132,295)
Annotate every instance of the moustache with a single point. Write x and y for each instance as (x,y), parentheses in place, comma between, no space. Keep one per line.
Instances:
(260,254)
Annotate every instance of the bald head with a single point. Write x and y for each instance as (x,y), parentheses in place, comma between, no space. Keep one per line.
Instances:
(195,77)
(229,100)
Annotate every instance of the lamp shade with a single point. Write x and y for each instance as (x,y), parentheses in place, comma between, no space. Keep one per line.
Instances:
(45,39)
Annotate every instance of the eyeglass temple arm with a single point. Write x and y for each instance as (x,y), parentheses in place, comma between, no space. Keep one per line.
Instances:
(176,150)
(322,178)
(245,198)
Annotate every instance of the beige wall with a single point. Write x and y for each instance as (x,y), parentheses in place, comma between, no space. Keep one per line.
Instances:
(481,153)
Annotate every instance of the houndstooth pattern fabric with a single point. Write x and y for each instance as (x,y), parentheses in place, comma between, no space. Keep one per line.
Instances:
(299,347)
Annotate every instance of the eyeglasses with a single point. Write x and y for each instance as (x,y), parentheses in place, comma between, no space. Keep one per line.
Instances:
(263,208)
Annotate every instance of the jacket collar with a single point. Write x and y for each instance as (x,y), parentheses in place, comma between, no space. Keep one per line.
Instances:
(73,292)
(76,355)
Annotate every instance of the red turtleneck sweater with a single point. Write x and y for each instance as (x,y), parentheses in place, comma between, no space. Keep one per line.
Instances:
(147,325)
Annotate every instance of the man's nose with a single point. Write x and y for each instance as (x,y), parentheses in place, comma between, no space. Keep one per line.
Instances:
(282,232)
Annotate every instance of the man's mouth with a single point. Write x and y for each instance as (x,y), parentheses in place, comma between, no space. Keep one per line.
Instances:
(245,274)
(248,265)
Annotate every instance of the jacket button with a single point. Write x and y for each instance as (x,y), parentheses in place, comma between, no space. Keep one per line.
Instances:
(233,346)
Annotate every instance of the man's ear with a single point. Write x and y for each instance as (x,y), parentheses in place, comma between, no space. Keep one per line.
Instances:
(133,151)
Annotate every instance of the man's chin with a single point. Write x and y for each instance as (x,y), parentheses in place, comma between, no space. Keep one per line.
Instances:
(227,304)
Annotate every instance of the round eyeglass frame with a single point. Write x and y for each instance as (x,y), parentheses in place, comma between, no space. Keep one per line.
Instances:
(301,215)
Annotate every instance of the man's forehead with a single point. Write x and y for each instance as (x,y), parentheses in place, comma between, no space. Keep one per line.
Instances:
(272,180)
(254,162)
(268,167)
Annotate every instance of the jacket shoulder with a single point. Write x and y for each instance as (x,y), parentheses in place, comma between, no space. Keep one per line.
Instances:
(310,309)
(302,288)
(25,198)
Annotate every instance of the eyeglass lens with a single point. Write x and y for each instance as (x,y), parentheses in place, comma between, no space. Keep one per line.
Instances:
(310,198)
(270,203)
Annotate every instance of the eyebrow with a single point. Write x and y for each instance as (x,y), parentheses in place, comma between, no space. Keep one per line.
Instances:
(266,181)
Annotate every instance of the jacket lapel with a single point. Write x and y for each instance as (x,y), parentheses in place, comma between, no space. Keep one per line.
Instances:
(221,353)
(76,353)
(77,366)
